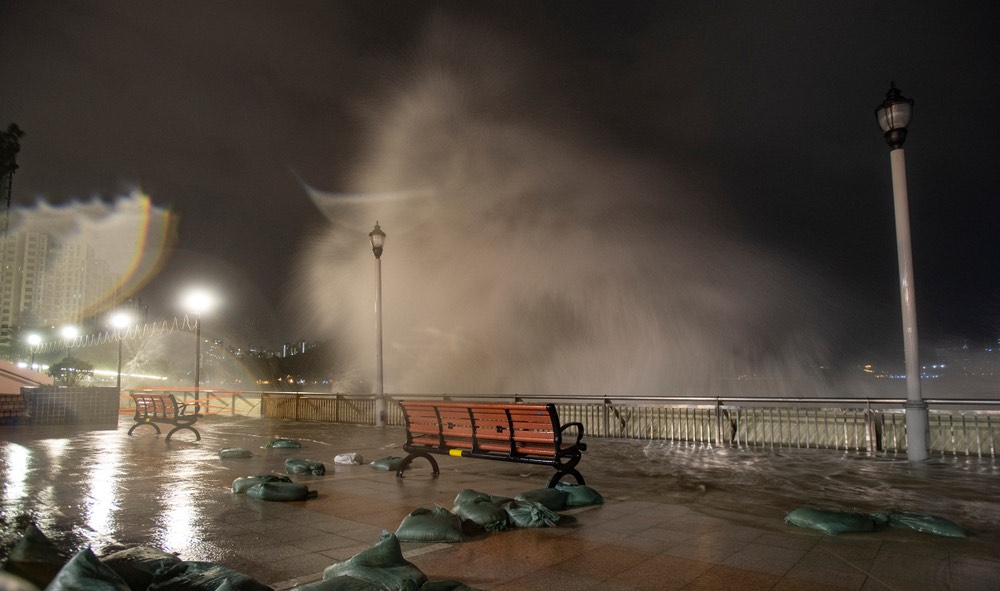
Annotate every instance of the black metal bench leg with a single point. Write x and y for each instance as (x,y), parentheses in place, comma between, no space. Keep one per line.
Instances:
(153,425)
(197,435)
(406,463)
(558,475)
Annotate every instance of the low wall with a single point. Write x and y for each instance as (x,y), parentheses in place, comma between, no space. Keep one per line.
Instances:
(52,405)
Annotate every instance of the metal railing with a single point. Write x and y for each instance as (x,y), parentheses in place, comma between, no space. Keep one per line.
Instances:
(868,425)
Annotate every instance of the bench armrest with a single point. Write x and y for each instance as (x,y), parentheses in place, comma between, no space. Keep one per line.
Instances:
(183,406)
(579,431)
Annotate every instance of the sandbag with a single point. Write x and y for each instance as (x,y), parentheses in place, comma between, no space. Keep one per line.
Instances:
(426,525)
(9,582)
(280,491)
(831,522)
(340,583)
(929,524)
(234,452)
(579,495)
(483,513)
(137,565)
(390,463)
(243,483)
(552,498)
(35,558)
(202,576)
(351,458)
(467,494)
(382,565)
(297,466)
(284,443)
(530,514)
(86,571)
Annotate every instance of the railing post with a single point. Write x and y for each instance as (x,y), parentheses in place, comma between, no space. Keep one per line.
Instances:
(297,406)
(718,421)
(605,417)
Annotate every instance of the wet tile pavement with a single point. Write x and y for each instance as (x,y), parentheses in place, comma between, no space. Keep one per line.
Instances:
(105,489)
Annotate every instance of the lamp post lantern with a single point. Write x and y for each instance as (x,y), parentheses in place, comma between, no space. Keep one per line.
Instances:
(893,117)
(197,301)
(377,237)
(120,320)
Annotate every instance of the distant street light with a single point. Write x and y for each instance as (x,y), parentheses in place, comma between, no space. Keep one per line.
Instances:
(198,301)
(120,320)
(69,333)
(893,117)
(34,339)
(377,237)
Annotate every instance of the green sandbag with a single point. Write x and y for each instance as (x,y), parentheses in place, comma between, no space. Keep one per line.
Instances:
(235,452)
(280,491)
(530,514)
(284,443)
(382,565)
(929,524)
(35,558)
(298,466)
(831,522)
(552,498)
(9,582)
(341,583)
(467,494)
(483,513)
(242,484)
(579,495)
(86,571)
(390,464)
(137,565)
(202,576)
(426,525)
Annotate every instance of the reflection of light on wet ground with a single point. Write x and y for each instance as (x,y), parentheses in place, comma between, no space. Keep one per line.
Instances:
(15,471)
(103,479)
(180,526)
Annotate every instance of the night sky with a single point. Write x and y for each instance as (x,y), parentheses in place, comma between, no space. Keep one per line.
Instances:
(222,112)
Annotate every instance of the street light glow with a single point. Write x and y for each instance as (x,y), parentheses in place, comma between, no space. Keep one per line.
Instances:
(198,301)
(34,339)
(120,320)
(69,332)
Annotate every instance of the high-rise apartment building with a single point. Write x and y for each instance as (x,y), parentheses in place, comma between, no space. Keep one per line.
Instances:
(45,282)
(22,281)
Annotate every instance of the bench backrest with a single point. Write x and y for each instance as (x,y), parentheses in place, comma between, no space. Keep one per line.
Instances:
(155,405)
(518,429)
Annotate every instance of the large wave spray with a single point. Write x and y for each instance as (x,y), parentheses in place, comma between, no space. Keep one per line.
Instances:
(536,253)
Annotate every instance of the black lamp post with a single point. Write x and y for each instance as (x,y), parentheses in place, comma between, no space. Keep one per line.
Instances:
(377,237)
(893,117)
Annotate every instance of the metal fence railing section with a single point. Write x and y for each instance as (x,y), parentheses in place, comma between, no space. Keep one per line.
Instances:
(868,425)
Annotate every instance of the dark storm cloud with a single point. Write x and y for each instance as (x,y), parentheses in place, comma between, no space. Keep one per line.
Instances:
(210,106)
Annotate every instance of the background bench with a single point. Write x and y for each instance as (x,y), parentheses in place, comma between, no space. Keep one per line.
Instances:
(151,409)
(524,433)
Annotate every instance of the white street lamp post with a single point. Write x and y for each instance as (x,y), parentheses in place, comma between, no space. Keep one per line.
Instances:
(69,333)
(894,116)
(34,339)
(120,320)
(377,237)
(198,301)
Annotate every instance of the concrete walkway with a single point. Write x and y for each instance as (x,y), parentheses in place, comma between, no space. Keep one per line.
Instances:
(105,489)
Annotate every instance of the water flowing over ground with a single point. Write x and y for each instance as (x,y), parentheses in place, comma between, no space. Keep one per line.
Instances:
(758,482)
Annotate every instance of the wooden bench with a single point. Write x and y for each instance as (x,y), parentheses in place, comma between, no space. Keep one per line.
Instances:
(524,433)
(153,408)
